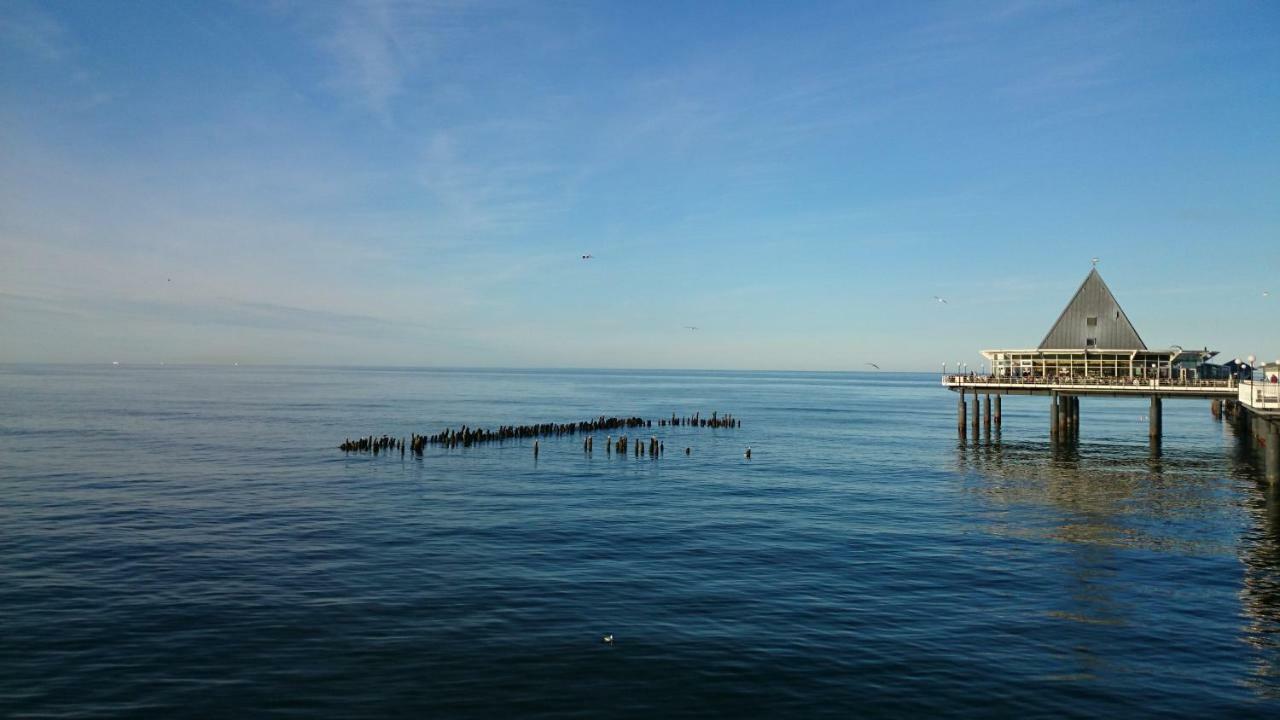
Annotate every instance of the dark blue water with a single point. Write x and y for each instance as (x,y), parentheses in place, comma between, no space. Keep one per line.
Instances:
(189,541)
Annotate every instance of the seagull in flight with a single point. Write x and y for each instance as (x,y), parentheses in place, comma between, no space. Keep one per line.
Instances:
(1266,293)
(939,299)
(690,327)
(587,256)
(874,365)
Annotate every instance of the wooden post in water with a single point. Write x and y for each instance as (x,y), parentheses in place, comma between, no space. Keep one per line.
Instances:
(997,411)
(961,412)
(986,412)
(535,448)
(976,410)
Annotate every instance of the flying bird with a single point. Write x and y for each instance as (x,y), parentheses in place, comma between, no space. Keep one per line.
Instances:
(1095,262)
(941,300)
(588,256)
(1266,293)
(690,327)
(874,365)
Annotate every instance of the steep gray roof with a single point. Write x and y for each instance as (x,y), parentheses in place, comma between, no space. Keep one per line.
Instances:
(1093,300)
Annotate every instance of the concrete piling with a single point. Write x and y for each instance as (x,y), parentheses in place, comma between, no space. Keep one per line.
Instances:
(1155,421)
(1273,451)
(961,412)
(976,410)
(997,417)
(1053,415)
(986,412)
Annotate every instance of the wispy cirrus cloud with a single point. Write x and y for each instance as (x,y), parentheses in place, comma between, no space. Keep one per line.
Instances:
(29,29)
(380,47)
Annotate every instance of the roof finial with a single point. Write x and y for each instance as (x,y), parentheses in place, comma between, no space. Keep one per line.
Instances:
(1095,262)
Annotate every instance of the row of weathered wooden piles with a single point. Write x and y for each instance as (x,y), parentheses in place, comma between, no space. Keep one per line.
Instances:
(655,446)
(466,436)
(374,444)
(715,421)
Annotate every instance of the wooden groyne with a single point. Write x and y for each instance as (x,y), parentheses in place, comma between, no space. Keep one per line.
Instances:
(715,421)
(466,436)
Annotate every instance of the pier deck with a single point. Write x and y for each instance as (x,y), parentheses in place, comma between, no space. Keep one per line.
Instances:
(1094,386)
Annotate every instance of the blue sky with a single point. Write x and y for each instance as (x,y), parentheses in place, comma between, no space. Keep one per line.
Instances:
(414,183)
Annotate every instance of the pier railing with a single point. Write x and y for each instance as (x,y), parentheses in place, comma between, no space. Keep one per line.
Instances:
(1260,395)
(1087,381)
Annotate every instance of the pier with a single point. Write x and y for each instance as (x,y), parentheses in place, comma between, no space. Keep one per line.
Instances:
(1094,351)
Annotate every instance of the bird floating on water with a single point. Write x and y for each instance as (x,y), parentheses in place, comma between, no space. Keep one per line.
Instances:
(747,454)
(607,639)
(588,256)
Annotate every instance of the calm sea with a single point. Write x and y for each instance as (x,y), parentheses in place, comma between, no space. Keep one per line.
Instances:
(189,541)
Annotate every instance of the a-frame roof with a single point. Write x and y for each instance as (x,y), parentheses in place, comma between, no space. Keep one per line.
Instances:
(1093,302)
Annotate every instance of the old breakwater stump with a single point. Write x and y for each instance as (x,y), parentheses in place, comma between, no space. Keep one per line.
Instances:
(467,436)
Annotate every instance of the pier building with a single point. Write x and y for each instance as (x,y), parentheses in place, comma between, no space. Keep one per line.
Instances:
(1094,350)
(1094,338)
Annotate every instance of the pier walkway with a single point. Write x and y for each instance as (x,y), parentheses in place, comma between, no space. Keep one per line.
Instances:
(1094,386)
(1262,398)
